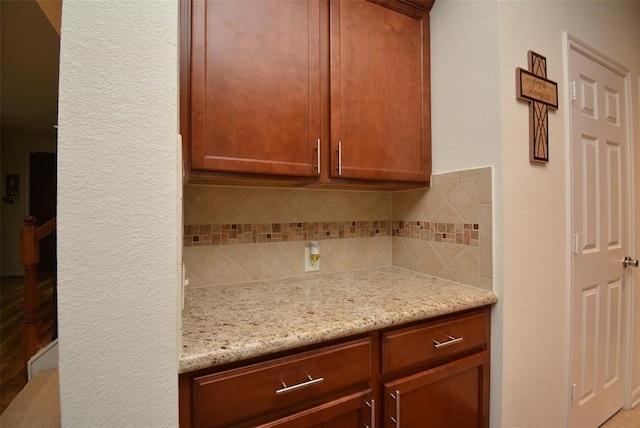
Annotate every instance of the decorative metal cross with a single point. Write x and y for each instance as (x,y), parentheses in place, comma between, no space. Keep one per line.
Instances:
(541,94)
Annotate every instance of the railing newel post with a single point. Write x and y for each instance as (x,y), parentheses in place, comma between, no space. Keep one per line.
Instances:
(29,258)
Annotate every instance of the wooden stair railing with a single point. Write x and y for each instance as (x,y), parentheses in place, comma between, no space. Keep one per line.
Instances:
(30,236)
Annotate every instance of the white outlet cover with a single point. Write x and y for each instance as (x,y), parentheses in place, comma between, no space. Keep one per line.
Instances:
(308,267)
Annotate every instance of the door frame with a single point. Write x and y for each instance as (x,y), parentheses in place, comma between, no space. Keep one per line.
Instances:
(28,208)
(571,43)
(27,171)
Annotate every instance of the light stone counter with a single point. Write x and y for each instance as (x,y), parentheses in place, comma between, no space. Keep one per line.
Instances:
(223,324)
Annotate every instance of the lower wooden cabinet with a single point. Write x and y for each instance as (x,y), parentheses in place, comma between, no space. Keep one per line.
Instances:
(432,373)
(452,395)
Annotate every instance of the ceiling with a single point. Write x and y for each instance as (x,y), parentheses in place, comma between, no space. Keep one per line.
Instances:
(30,50)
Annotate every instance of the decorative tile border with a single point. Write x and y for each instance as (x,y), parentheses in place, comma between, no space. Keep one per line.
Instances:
(451,233)
(229,234)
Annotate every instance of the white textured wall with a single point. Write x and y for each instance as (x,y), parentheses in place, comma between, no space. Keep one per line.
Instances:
(118,214)
(477,121)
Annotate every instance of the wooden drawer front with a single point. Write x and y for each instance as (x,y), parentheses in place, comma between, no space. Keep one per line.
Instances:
(246,393)
(345,412)
(413,346)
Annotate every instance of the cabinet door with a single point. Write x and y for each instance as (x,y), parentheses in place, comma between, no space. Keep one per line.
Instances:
(255,86)
(452,395)
(380,97)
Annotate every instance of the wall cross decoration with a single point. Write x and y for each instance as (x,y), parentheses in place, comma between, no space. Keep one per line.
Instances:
(541,94)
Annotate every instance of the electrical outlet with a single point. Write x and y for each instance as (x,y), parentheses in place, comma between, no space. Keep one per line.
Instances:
(308,265)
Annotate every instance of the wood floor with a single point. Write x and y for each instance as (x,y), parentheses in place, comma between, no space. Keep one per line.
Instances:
(624,419)
(13,374)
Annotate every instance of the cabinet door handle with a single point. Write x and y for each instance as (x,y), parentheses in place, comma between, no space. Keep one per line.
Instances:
(372,406)
(451,341)
(318,165)
(305,384)
(339,158)
(396,397)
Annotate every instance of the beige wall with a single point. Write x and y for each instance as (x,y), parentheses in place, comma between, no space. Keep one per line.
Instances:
(537,306)
(476,47)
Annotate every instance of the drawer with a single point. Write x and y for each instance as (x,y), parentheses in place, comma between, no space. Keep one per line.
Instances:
(429,342)
(246,393)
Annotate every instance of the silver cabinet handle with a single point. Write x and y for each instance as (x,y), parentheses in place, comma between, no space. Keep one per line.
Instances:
(451,341)
(310,382)
(372,406)
(339,158)
(628,261)
(318,165)
(396,397)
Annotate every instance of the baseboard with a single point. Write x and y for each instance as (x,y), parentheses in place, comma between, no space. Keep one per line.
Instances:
(635,397)
(45,358)
(10,274)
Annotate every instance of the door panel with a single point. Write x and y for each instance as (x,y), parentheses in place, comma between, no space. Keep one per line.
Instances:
(614,177)
(600,225)
(588,351)
(591,195)
(612,342)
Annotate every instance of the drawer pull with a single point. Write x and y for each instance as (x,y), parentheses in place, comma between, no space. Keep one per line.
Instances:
(372,406)
(396,397)
(309,382)
(451,341)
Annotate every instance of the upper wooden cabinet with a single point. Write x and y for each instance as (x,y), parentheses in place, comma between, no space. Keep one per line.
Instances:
(306,91)
(255,86)
(380,99)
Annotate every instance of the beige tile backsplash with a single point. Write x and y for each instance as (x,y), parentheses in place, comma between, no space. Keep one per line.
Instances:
(236,234)
(457,197)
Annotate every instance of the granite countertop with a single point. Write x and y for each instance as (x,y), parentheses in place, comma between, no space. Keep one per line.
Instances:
(234,322)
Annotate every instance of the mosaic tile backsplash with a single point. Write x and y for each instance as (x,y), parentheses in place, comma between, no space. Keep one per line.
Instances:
(236,234)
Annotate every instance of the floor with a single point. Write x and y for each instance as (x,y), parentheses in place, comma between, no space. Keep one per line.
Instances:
(624,419)
(13,373)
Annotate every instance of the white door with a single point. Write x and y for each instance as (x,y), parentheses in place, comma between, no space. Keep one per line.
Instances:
(600,229)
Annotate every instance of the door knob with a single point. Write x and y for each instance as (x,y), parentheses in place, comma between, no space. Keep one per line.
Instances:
(628,261)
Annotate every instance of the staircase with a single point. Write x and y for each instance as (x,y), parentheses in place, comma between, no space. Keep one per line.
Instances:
(30,236)
(38,403)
